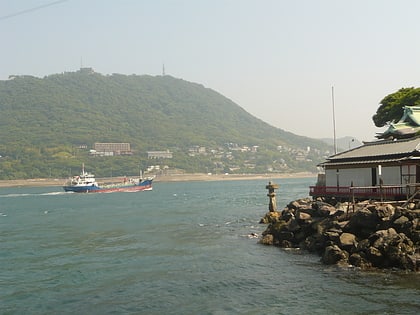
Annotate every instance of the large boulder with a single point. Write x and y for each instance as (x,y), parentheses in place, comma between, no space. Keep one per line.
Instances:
(315,243)
(267,239)
(304,203)
(303,216)
(357,260)
(375,256)
(384,212)
(334,255)
(402,223)
(391,249)
(323,209)
(348,242)
(362,223)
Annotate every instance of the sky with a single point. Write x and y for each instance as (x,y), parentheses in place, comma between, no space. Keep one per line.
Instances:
(291,63)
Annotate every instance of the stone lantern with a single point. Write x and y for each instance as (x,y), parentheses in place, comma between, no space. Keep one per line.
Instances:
(272,206)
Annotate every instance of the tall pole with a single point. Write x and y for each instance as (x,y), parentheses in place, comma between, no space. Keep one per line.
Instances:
(333,113)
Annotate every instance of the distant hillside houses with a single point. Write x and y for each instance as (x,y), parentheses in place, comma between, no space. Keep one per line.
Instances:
(227,152)
(298,154)
(221,151)
(231,157)
(197,150)
(111,149)
(159,154)
(243,148)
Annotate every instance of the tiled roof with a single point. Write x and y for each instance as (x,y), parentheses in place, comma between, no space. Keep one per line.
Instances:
(380,150)
(365,161)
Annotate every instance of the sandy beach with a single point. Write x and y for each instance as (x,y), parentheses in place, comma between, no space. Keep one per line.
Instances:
(36,182)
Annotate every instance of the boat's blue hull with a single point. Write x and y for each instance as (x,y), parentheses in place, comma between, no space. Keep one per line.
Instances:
(144,185)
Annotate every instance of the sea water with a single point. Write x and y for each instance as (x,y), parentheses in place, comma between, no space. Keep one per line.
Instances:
(183,248)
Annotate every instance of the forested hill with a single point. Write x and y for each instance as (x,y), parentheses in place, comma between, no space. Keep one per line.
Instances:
(149,112)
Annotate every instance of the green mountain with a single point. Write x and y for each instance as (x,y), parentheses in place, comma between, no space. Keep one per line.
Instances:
(45,121)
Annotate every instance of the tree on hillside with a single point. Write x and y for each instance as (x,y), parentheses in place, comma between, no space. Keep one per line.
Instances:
(391,107)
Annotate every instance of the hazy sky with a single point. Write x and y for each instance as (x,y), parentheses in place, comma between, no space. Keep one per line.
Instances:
(278,59)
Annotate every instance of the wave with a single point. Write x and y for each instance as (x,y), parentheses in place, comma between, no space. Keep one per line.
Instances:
(53,193)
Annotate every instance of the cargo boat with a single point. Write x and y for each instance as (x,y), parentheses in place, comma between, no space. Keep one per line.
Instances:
(86,183)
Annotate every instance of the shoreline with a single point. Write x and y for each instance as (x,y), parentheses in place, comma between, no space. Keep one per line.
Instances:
(39,182)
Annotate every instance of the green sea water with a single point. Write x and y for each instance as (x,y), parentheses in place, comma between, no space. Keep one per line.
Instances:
(183,248)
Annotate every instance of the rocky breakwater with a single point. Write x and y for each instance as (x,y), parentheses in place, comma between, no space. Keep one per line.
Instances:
(365,235)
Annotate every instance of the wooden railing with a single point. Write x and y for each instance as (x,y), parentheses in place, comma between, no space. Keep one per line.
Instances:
(397,192)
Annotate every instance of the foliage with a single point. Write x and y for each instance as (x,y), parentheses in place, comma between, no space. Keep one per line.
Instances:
(391,108)
(44,122)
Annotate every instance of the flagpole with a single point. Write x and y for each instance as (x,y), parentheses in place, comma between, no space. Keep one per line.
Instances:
(333,114)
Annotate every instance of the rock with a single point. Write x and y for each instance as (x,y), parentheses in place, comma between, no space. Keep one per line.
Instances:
(362,223)
(382,238)
(320,225)
(402,224)
(384,212)
(398,211)
(294,205)
(267,239)
(303,216)
(332,236)
(357,260)
(286,215)
(409,262)
(304,203)
(413,214)
(334,255)
(270,217)
(416,237)
(382,234)
(348,241)
(315,243)
(374,255)
(300,236)
(293,225)
(285,244)
(401,221)
(340,215)
(363,245)
(395,249)
(370,235)
(409,225)
(323,209)
(344,206)
(285,236)
(342,224)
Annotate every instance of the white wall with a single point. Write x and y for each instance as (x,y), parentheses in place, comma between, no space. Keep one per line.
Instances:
(391,175)
(362,176)
(359,177)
